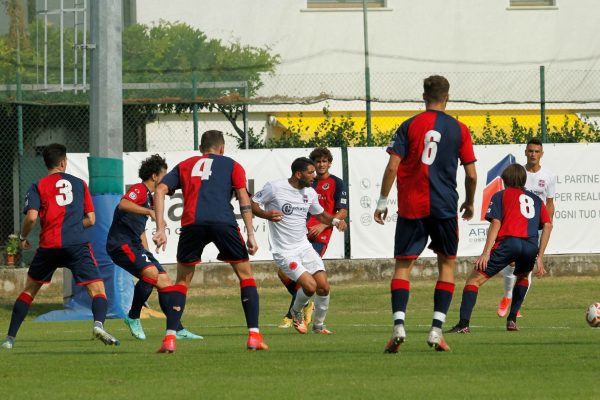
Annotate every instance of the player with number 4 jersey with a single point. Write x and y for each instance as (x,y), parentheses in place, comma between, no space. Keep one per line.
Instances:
(515,215)
(424,155)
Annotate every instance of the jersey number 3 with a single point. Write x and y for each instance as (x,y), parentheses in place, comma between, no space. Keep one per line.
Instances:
(432,138)
(66,192)
(202,168)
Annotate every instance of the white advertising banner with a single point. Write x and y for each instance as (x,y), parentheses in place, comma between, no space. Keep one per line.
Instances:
(577,200)
(261,166)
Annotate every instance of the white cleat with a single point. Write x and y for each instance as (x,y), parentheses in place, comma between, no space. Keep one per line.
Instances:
(8,343)
(436,340)
(105,337)
(398,337)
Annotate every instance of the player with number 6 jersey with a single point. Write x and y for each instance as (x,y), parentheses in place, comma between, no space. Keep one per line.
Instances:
(515,215)
(64,206)
(424,155)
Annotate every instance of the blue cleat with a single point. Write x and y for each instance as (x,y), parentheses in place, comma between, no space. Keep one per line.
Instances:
(184,334)
(135,327)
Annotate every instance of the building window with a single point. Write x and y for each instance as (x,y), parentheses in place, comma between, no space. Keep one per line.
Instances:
(532,3)
(344,3)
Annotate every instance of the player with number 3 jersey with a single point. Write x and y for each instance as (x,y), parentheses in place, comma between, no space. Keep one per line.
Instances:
(424,155)
(515,215)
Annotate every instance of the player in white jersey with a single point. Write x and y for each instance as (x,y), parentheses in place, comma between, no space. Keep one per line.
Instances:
(542,182)
(286,203)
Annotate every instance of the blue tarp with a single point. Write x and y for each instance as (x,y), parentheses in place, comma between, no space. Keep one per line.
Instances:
(118,282)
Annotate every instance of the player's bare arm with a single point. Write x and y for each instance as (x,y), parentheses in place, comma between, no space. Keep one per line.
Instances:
(546,230)
(160,236)
(389,175)
(89,219)
(330,220)
(483,259)
(470,185)
(28,224)
(246,211)
(273,215)
(317,229)
(550,208)
(130,207)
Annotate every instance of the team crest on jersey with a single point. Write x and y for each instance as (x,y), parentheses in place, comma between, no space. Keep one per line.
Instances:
(541,183)
(132,195)
(325,186)
(305,198)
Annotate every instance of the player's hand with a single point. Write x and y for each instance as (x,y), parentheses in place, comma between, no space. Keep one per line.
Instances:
(467,211)
(342,226)
(160,240)
(380,215)
(251,245)
(541,271)
(482,261)
(274,215)
(24,244)
(315,231)
(152,215)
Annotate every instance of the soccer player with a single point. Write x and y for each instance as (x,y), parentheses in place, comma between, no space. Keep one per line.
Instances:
(542,182)
(423,158)
(64,206)
(515,216)
(128,248)
(334,199)
(208,182)
(286,203)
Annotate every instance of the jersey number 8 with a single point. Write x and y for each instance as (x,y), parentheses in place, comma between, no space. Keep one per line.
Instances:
(527,206)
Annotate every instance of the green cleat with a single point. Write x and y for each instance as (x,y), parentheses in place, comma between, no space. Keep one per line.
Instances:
(135,327)
(184,334)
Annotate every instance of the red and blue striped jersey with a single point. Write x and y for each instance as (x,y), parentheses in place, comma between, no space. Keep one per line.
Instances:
(521,213)
(207,183)
(128,227)
(430,145)
(62,200)
(333,196)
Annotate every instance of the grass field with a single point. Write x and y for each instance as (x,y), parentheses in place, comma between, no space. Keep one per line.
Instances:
(555,355)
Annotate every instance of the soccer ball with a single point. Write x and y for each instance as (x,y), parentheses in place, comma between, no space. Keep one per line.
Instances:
(592,315)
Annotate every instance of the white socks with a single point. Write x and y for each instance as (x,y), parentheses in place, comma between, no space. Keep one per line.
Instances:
(321,306)
(301,300)
(509,281)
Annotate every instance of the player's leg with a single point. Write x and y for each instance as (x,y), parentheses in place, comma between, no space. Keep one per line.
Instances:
(442,297)
(321,303)
(469,298)
(508,284)
(290,285)
(307,289)
(523,267)
(20,310)
(97,292)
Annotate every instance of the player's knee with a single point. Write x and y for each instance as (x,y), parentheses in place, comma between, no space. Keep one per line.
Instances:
(323,290)
(309,287)
(96,288)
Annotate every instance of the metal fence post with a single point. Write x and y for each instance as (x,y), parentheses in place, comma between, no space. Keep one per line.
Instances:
(543,104)
(195,108)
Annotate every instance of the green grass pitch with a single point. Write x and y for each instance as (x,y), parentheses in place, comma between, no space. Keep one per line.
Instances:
(555,355)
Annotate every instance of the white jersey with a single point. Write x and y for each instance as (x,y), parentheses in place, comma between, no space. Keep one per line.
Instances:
(542,183)
(289,234)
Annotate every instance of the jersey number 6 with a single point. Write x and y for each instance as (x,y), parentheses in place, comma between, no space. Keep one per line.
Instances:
(432,138)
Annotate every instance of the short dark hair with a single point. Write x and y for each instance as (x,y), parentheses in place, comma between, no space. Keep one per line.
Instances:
(321,152)
(435,88)
(210,139)
(301,164)
(53,154)
(514,176)
(151,165)
(535,141)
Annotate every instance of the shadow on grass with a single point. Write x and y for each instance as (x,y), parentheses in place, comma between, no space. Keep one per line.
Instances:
(35,310)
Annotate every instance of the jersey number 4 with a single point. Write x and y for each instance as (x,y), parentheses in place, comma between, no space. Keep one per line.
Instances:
(432,138)
(202,168)
(66,192)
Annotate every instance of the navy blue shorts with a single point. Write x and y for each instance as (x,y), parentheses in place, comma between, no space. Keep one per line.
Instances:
(522,252)
(412,235)
(78,258)
(133,258)
(227,238)
(319,247)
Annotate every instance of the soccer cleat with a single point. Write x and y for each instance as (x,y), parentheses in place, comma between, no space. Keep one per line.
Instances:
(184,334)
(511,326)
(105,337)
(503,306)
(519,315)
(255,342)
(8,343)
(436,340)
(299,322)
(398,337)
(308,310)
(321,330)
(135,327)
(168,344)
(459,329)
(286,323)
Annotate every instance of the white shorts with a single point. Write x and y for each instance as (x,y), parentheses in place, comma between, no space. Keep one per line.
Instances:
(294,264)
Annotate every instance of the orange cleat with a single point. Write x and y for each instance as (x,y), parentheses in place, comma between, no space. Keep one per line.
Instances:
(299,322)
(503,306)
(168,344)
(321,330)
(436,340)
(511,326)
(255,342)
